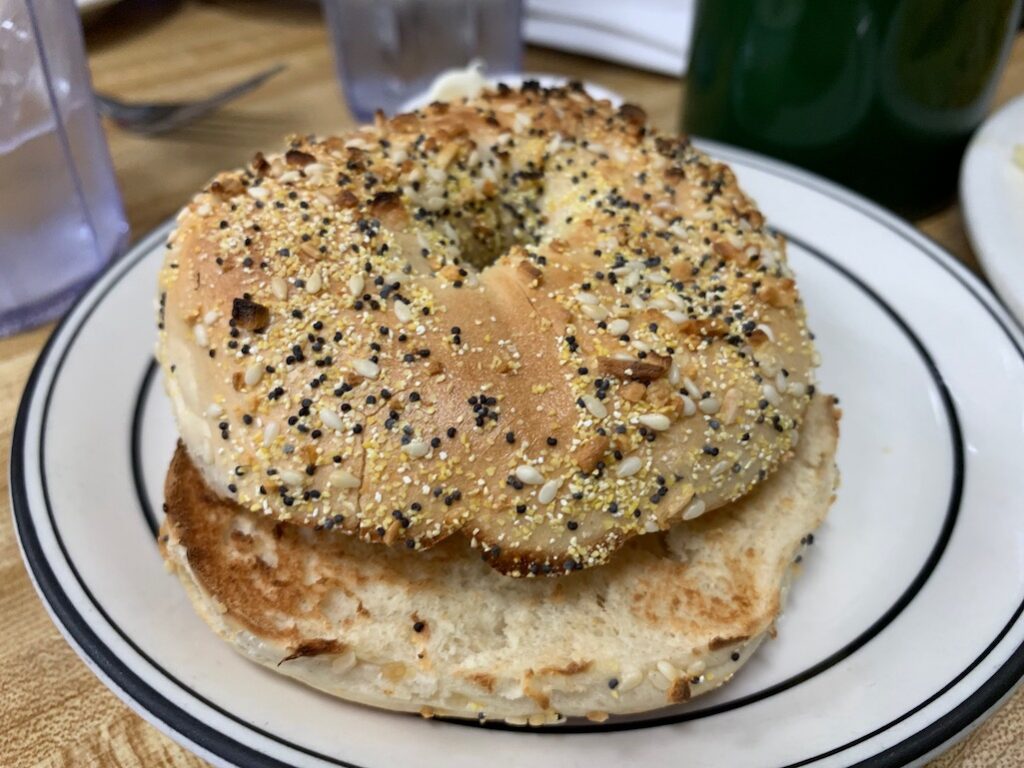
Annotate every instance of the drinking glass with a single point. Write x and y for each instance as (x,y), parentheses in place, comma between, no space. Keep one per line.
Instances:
(387,51)
(61,218)
(880,95)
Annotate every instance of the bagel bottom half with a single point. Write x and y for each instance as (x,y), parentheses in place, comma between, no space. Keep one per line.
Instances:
(673,615)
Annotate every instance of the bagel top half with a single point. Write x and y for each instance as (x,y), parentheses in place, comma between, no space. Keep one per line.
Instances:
(525,316)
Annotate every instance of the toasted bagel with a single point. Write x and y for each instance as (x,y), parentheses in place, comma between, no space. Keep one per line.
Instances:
(671,616)
(526,316)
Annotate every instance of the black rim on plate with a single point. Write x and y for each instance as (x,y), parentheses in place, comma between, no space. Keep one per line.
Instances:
(202,735)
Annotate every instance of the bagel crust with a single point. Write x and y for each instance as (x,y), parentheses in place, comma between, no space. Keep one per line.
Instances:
(525,316)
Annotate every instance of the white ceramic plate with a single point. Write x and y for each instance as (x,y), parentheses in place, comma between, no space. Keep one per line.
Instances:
(992,198)
(904,630)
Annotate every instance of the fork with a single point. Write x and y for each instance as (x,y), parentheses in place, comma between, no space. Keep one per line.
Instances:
(151,118)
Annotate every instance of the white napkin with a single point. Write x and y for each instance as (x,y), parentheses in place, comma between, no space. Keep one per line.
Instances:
(647,34)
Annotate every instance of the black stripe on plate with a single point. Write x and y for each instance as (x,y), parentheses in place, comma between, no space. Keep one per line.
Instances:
(138,476)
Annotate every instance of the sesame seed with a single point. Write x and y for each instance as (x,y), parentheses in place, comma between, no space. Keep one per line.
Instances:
(529,475)
(343,479)
(595,406)
(402,312)
(279,288)
(618,327)
(656,421)
(253,374)
(548,491)
(630,680)
(628,467)
(366,368)
(292,478)
(270,433)
(315,282)
(709,405)
(675,316)
(331,419)
(668,671)
(416,448)
(689,407)
(694,509)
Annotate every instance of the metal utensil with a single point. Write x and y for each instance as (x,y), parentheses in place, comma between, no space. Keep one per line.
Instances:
(161,116)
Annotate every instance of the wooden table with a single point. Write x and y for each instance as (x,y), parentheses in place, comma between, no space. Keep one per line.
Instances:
(53,712)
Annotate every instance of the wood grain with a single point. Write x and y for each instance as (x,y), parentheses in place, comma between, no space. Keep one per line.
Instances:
(53,711)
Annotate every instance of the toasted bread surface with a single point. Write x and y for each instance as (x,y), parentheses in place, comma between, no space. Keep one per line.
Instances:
(671,616)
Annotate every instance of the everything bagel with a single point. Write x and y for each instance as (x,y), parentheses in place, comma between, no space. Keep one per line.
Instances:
(527,317)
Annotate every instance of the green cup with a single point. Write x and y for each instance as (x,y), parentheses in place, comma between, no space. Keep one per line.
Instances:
(880,95)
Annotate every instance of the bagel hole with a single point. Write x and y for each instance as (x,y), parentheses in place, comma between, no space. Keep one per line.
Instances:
(488,230)
(479,250)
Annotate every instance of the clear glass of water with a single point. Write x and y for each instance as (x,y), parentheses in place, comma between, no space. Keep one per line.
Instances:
(388,51)
(61,218)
